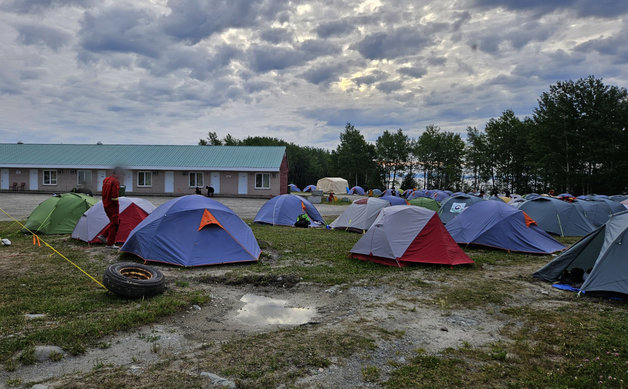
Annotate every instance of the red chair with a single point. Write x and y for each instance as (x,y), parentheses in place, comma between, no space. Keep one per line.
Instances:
(14,187)
(22,186)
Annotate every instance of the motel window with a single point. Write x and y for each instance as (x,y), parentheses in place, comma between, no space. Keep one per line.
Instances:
(84,177)
(144,179)
(50,177)
(262,181)
(196,179)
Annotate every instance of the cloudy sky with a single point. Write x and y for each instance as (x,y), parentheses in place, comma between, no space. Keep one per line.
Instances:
(158,71)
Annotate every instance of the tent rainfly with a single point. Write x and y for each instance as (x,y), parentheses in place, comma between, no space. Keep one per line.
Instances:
(404,234)
(59,213)
(360,215)
(94,221)
(602,256)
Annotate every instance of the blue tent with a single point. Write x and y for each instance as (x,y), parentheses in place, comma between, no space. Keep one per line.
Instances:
(193,231)
(454,205)
(377,192)
(357,190)
(294,188)
(557,217)
(495,224)
(388,192)
(393,200)
(599,210)
(418,193)
(309,188)
(283,211)
(440,195)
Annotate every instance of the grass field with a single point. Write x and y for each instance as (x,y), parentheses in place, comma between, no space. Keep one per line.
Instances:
(545,341)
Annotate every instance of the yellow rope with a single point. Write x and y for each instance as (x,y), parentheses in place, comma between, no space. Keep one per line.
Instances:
(53,249)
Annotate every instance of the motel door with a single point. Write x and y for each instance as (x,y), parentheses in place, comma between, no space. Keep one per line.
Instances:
(169,182)
(243,183)
(4,179)
(214,181)
(102,174)
(33,177)
(128,180)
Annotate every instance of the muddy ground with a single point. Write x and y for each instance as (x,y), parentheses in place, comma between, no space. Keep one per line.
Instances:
(401,315)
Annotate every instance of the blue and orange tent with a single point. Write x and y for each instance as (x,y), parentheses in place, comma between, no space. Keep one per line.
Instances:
(283,211)
(193,231)
(495,224)
(309,188)
(294,188)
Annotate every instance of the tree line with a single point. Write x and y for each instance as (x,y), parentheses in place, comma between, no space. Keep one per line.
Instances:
(576,140)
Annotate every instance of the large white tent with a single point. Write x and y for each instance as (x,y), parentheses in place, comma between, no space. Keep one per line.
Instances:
(337,185)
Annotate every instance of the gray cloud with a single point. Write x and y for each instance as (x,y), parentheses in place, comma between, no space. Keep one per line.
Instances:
(194,20)
(396,43)
(276,35)
(37,34)
(123,30)
(335,28)
(37,6)
(584,8)
(414,72)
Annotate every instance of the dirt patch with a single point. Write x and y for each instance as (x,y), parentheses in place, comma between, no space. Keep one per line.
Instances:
(274,280)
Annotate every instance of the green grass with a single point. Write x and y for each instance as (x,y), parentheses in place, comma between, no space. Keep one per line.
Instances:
(580,345)
(567,348)
(267,360)
(78,311)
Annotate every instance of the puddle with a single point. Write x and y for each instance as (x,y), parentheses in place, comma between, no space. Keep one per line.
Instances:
(265,310)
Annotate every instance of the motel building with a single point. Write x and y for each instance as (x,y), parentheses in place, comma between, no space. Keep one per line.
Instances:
(255,171)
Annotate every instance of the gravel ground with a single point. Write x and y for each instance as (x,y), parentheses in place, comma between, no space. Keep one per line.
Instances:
(20,205)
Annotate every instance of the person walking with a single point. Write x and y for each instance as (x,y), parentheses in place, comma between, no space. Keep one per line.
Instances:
(110,193)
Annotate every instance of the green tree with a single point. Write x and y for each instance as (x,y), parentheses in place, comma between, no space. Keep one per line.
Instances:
(580,136)
(477,157)
(440,154)
(354,158)
(508,151)
(393,149)
(211,140)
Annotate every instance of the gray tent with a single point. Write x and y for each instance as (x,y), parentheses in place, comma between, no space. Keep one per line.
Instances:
(557,217)
(360,215)
(597,211)
(618,198)
(604,251)
(452,207)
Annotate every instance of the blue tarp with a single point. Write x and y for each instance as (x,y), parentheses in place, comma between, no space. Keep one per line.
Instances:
(495,224)
(283,211)
(193,231)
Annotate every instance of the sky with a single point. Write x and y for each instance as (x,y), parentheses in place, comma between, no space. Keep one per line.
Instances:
(167,72)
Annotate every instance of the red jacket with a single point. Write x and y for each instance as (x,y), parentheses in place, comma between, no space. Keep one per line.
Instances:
(110,191)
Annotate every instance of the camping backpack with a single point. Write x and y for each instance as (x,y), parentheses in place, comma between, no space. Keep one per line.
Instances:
(303,221)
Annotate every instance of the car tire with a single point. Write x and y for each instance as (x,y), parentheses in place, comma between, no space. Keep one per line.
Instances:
(134,280)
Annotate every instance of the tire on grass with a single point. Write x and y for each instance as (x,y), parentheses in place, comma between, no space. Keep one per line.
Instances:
(134,280)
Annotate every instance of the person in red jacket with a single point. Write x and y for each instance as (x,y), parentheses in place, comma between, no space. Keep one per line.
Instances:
(110,193)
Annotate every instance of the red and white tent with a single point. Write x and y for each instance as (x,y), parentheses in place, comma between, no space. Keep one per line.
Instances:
(404,234)
(94,221)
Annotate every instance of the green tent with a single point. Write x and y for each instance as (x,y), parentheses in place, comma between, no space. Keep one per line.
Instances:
(425,203)
(59,214)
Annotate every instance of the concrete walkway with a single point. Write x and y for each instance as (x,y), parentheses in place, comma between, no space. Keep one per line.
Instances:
(20,205)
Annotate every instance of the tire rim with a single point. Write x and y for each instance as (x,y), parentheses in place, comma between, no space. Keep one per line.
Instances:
(136,273)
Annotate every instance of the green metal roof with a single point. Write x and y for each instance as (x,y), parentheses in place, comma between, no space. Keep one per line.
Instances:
(150,157)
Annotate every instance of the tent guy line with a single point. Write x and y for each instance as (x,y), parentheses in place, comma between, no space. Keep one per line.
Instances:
(54,250)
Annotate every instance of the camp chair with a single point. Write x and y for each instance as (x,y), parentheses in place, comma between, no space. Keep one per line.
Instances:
(14,187)
(22,186)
